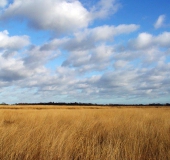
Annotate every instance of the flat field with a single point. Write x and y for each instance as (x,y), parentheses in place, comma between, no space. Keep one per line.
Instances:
(84,133)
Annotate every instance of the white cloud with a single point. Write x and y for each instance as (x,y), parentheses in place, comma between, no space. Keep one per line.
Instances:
(146,40)
(160,21)
(87,63)
(134,81)
(143,40)
(107,32)
(88,38)
(57,15)
(38,58)
(60,16)
(13,42)
(163,39)
(104,8)
(3,3)
(96,59)
(17,62)
(12,69)
(120,64)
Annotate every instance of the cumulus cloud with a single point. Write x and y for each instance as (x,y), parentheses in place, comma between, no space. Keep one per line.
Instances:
(59,16)
(88,61)
(11,69)
(146,40)
(24,70)
(12,42)
(163,39)
(19,61)
(107,32)
(138,82)
(88,38)
(160,21)
(37,58)
(143,40)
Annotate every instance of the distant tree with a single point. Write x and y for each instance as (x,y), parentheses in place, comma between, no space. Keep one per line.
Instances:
(3,103)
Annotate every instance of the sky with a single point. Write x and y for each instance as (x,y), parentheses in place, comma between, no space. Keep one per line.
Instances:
(89,51)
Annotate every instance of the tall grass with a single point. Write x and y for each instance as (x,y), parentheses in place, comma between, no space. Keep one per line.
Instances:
(85,134)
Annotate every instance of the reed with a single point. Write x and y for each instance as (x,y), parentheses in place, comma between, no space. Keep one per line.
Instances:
(85,134)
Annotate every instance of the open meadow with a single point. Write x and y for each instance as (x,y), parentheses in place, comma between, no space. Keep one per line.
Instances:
(84,133)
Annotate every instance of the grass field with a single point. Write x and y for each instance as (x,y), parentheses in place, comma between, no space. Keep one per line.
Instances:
(84,133)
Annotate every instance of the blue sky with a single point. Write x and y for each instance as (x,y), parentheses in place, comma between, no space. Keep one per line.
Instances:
(105,51)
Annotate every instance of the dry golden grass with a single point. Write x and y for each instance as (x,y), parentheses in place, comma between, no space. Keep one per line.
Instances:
(85,134)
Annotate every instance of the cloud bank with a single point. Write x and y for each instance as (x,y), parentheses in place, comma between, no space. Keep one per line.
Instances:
(88,63)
